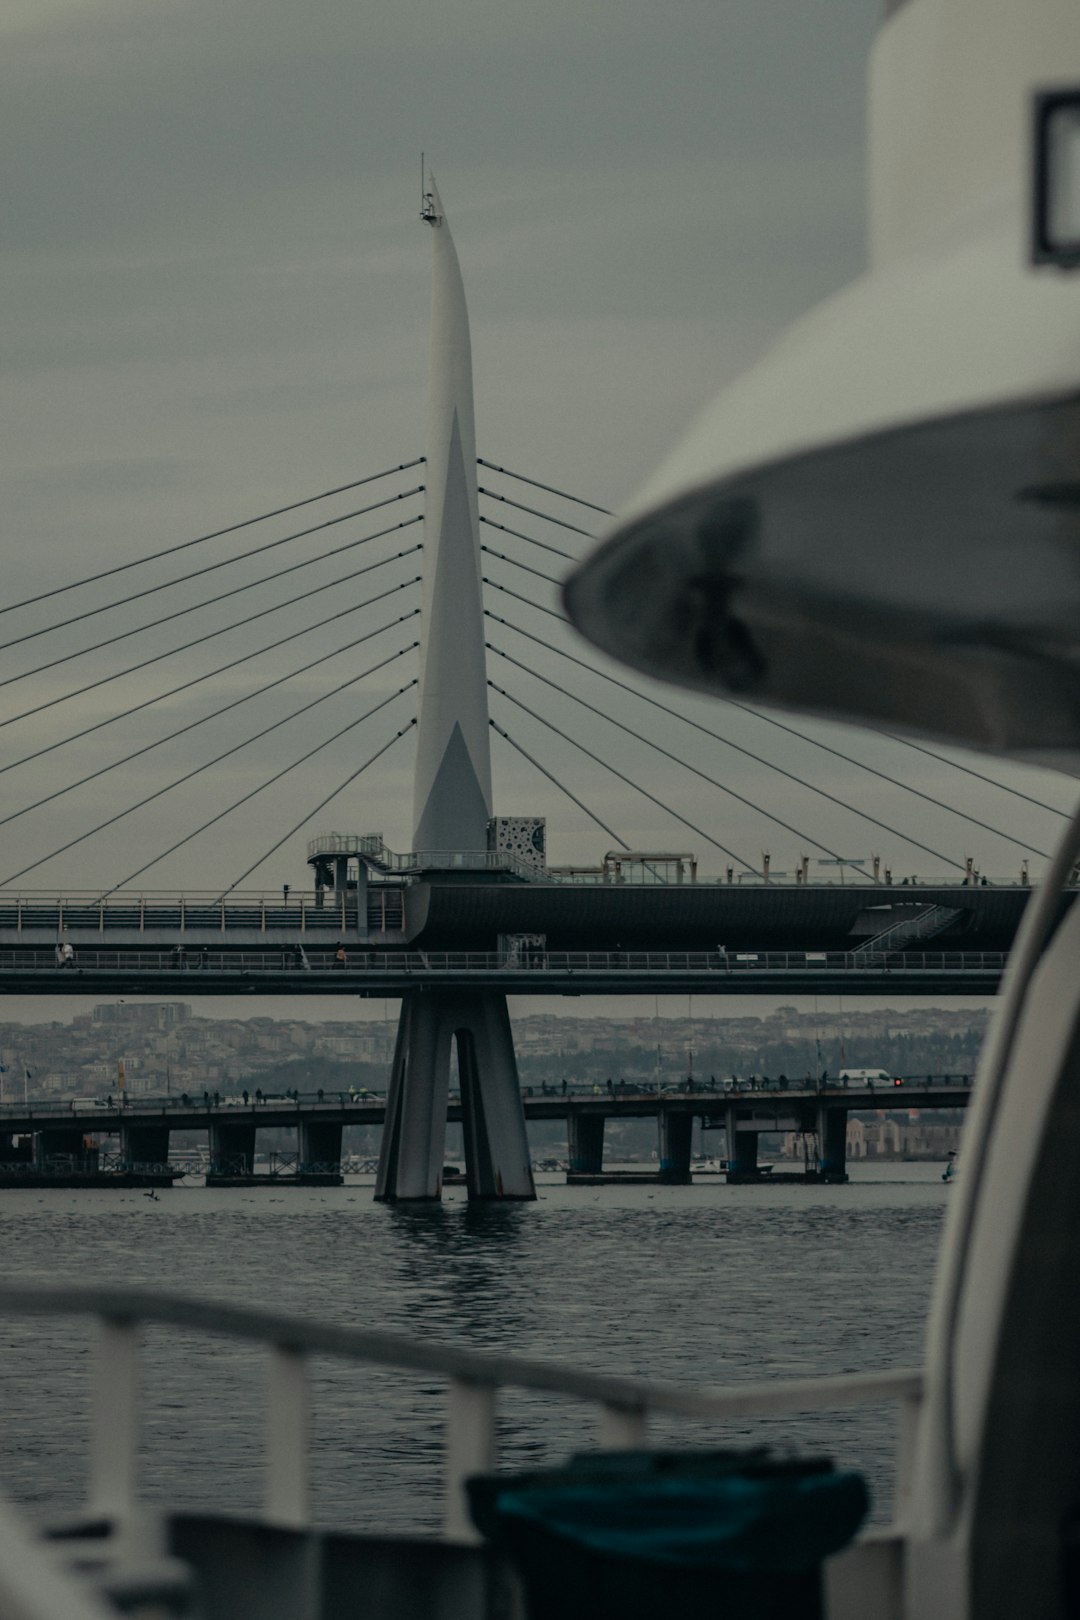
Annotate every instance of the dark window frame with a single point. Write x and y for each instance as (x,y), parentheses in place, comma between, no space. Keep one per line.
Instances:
(1044,249)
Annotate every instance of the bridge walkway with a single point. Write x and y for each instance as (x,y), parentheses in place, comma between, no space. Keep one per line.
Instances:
(281,971)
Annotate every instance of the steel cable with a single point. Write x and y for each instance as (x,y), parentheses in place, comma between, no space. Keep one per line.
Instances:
(192,725)
(316,808)
(667,754)
(501,555)
(211,601)
(189,776)
(216,534)
(552,613)
(547,488)
(955,765)
(560,523)
(562,787)
(844,804)
(504,528)
(591,754)
(210,635)
(234,663)
(770,720)
(210,568)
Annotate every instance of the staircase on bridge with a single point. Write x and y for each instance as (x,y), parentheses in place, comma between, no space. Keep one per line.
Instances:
(918,923)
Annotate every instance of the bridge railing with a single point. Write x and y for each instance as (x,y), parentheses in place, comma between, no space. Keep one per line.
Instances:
(194,910)
(100,1112)
(527,963)
(473,1381)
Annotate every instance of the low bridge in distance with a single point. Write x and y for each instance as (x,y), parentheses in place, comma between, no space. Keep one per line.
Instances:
(57,1143)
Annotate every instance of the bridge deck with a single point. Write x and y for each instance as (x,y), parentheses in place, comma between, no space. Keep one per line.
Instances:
(392,973)
(763,1099)
(464,914)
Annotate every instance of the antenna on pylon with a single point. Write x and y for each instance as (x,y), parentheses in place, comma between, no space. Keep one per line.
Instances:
(428,211)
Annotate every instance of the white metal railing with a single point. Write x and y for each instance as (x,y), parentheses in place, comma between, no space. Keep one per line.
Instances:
(473,1380)
(335,843)
(416,861)
(126,898)
(713,967)
(194,911)
(461,860)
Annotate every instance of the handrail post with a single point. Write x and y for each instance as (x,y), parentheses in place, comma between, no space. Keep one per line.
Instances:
(114,1418)
(621,1428)
(287,1438)
(470,1449)
(907,1424)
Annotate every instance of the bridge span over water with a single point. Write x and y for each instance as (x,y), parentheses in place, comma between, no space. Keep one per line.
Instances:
(60,1142)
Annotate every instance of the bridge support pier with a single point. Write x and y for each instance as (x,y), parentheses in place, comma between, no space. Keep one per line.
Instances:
(232,1151)
(676,1136)
(585,1141)
(414,1135)
(741,1150)
(144,1145)
(320,1153)
(832,1143)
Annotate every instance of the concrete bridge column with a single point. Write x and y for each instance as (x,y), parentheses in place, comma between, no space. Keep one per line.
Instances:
(232,1148)
(741,1150)
(143,1145)
(585,1139)
(676,1136)
(320,1150)
(414,1135)
(832,1143)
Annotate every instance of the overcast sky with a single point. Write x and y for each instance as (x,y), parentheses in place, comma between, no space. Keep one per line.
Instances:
(216,302)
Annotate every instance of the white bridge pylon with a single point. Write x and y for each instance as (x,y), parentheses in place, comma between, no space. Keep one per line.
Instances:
(452,801)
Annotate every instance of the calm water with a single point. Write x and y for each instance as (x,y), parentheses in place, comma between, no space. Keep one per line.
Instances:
(705,1283)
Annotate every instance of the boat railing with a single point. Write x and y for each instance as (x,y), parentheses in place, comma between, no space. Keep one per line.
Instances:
(473,1380)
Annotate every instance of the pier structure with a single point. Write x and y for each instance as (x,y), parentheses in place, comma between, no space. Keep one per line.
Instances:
(452,799)
(61,1143)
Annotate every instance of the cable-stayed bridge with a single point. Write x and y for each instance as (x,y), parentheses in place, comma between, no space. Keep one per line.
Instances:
(430,605)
